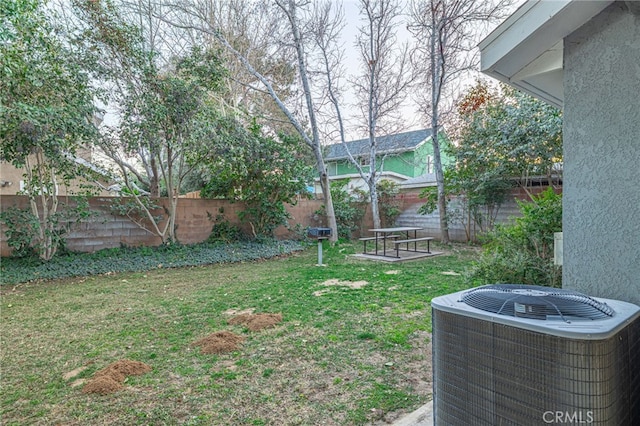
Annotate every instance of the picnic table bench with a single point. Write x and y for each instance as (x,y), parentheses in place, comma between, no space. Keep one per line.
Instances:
(398,236)
(376,238)
(415,241)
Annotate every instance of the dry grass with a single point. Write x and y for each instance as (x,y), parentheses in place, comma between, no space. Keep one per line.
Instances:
(350,356)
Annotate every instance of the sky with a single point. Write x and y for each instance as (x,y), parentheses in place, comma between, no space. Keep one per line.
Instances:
(412,119)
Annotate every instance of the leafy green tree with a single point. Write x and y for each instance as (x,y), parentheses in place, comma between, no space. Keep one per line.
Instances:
(261,171)
(46,110)
(389,204)
(508,134)
(166,120)
(506,138)
(350,207)
(165,113)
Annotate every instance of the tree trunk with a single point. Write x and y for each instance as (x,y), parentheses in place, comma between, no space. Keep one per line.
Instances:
(436,90)
(375,208)
(442,198)
(325,184)
(154,181)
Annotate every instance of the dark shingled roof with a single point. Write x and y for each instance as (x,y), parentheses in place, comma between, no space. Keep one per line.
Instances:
(400,142)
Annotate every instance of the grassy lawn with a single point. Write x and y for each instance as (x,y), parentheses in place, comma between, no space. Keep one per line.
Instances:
(341,355)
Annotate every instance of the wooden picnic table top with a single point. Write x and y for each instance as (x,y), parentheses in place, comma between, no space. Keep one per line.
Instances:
(397,229)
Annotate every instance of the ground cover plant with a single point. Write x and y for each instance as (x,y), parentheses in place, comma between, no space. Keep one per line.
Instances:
(132,259)
(349,344)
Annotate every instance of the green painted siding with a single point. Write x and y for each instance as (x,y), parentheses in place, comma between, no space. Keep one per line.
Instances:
(410,163)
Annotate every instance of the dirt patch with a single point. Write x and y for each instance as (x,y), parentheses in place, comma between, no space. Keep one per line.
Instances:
(350,284)
(394,272)
(111,378)
(452,273)
(123,368)
(219,342)
(257,322)
(102,385)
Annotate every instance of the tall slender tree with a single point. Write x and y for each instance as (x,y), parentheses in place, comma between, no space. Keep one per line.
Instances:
(447,32)
(383,86)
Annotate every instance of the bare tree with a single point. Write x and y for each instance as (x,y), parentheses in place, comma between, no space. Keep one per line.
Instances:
(304,121)
(383,86)
(447,32)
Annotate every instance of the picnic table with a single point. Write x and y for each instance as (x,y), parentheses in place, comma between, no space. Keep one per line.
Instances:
(396,237)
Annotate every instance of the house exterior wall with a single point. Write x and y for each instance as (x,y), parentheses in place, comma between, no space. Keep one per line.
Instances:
(11,178)
(403,163)
(410,163)
(601,202)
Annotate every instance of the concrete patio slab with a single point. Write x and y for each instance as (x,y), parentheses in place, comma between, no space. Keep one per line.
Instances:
(404,256)
(423,416)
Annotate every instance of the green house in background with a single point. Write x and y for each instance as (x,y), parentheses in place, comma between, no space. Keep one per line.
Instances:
(400,157)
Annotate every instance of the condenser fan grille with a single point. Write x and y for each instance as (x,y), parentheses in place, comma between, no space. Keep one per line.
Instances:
(535,302)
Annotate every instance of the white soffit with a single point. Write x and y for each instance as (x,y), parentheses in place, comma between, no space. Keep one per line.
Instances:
(526,50)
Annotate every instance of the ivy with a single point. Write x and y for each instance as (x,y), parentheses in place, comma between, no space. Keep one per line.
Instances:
(125,259)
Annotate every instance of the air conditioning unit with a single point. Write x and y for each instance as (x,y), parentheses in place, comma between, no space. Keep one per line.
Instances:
(511,354)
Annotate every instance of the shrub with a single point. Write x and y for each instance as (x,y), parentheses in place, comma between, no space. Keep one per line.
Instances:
(21,228)
(522,252)
(223,230)
(28,236)
(348,208)
(388,203)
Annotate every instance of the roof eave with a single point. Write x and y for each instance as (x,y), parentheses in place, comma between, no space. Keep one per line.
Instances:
(526,50)
(383,152)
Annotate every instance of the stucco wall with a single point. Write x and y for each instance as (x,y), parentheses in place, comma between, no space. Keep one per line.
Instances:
(601,221)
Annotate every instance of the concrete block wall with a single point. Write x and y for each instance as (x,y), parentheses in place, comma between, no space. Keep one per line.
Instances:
(103,229)
(107,230)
